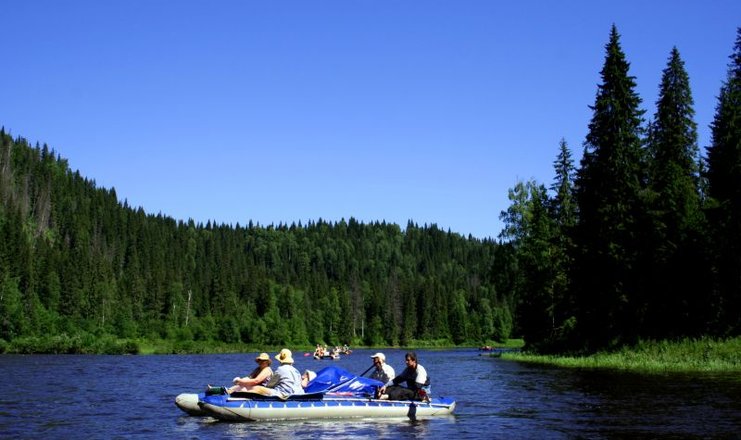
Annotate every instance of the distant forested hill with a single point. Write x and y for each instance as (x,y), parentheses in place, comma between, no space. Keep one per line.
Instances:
(76,259)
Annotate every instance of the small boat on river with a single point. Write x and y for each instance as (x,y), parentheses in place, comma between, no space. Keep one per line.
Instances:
(333,394)
(327,357)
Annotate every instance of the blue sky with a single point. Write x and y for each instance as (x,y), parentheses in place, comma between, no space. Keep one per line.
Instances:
(289,111)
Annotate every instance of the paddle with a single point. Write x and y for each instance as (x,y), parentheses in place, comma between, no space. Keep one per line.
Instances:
(371,367)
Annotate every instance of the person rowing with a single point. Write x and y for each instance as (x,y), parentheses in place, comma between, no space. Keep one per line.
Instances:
(416,379)
(383,372)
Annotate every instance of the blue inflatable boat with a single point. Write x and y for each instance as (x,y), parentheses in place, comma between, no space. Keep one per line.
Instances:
(333,394)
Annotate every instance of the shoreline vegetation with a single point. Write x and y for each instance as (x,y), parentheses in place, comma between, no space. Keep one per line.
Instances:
(110,345)
(705,355)
(638,240)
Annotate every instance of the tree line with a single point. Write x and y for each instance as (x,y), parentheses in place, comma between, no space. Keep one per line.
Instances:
(76,260)
(641,241)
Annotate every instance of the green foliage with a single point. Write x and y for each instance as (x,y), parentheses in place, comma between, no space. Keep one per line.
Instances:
(77,261)
(640,245)
(81,343)
(724,191)
(609,185)
(531,222)
(503,324)
(673,260)
(704,355)
(641,242)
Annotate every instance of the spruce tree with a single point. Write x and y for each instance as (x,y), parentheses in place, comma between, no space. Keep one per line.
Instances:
(608,193)
(564,207)
(724,190)
(674,293)
(563,213)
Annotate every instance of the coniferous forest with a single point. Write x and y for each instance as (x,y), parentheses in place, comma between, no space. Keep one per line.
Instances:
(75,260)
(641,240)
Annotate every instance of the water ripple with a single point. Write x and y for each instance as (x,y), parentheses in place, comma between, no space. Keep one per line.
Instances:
(103,397)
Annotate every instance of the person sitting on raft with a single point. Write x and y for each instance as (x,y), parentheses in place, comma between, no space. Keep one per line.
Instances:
(259,376)
(382,372)
(417,382)
(307,377)
(286,379)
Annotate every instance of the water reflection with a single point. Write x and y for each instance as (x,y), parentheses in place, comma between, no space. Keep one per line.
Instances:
(361,428)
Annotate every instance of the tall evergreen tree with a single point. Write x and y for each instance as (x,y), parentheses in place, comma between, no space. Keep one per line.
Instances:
(564,206)
(724,189)
(675,292)
(608,194)
(563,212)
(674,151)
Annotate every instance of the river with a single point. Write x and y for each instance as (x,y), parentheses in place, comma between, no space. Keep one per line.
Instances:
(103,397)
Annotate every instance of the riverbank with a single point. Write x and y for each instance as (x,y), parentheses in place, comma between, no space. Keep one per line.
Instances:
(704,355)
(106,344)
(87,343)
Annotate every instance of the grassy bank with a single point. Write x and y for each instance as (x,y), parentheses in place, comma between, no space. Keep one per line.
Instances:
(697,355)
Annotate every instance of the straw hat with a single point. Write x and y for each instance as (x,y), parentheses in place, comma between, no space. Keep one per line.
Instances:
(262,357)
(380,356)
(285,356)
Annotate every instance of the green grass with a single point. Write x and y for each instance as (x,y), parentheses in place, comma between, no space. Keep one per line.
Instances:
(510,343)
(704,355)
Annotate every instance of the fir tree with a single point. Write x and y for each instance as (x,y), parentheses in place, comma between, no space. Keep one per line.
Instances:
(675,261)
(564,207)
(608,192)
(724,189)
(563,213)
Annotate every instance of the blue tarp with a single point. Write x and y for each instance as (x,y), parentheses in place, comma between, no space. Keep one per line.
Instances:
(337,380)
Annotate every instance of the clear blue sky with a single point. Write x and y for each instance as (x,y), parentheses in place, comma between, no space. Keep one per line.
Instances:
(287,111)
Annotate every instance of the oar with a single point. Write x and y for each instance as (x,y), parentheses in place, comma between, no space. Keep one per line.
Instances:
(371,367)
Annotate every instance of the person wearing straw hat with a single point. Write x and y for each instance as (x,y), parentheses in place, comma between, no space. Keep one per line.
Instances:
(286,379)
(259,376)
(383,372)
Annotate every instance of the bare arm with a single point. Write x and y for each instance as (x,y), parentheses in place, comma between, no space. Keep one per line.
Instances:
(260,378)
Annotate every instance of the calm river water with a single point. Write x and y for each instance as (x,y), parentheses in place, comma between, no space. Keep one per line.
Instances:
(102,397)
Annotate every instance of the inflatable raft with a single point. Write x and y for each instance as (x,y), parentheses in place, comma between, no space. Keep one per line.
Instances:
(334,393)
(322,406)
(327,357)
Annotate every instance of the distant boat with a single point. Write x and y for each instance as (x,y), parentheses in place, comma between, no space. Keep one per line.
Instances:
(327,357)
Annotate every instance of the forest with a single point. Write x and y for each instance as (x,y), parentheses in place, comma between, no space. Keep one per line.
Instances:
(74,260)
(640,241)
